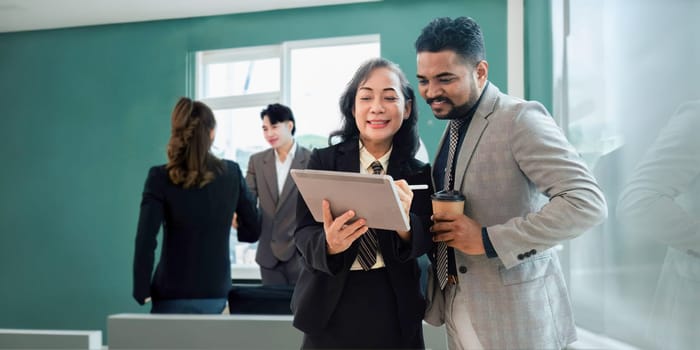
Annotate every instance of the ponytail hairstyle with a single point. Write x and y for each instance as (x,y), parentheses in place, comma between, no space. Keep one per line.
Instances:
(190,162)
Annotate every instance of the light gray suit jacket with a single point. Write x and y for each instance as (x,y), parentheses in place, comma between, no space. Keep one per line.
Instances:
(278,211)
(527,185)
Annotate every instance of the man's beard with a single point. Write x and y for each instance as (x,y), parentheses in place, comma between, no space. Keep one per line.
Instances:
(457,112)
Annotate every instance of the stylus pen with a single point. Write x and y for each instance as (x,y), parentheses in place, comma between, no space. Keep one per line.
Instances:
(418,187)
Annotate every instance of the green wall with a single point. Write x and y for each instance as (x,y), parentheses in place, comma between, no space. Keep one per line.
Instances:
(85,112)
(538,52)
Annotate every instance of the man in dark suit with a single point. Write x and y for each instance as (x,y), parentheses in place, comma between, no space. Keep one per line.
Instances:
(268,180)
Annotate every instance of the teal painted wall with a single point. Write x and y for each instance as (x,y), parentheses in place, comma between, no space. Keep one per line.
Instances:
(85,112)
(538,52)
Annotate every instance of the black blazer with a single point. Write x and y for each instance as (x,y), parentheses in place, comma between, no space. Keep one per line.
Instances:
(323,277)
(194,260)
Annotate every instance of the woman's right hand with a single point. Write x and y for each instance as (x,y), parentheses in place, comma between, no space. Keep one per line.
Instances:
(339,233)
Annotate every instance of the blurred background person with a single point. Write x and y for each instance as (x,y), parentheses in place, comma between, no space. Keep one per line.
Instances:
(612,109)
(194,197)
(269,181)
(662,202)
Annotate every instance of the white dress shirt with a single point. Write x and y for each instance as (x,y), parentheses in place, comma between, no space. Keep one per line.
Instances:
(282,168)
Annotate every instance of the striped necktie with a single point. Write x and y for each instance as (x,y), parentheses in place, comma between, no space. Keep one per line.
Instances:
(367,254)
(442,249)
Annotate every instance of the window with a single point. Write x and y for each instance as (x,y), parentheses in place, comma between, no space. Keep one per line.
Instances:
(308,76)
(617,93)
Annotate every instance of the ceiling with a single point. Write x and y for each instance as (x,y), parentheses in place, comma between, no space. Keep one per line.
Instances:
(22,15)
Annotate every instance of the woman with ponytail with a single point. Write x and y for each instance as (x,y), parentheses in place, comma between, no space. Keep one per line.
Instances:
(194,197)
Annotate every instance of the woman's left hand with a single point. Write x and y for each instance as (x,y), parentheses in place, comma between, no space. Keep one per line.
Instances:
(406,197)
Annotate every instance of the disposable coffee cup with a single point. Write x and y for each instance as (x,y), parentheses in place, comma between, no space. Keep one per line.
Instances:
(448,202)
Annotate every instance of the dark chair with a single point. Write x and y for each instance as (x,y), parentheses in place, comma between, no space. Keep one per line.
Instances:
(259,299)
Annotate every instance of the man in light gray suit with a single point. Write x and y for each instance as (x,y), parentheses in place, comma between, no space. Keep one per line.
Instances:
(527,190)
(269,181)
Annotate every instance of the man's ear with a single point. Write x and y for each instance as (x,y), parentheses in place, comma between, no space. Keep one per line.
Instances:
(482,73)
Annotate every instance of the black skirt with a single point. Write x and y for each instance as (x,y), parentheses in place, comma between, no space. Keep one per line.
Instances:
(366,317)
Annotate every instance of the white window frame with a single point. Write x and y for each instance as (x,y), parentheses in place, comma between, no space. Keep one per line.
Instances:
(229,55)
(288,46)
(283,51)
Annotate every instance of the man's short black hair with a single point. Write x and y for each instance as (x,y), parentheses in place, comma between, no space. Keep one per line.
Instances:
(461,35)
(278,113)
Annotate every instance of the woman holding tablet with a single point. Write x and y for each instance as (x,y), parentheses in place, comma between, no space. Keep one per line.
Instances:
(359,287)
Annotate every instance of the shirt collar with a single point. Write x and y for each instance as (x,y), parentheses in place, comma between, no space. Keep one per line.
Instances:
(367,158)
(292,151)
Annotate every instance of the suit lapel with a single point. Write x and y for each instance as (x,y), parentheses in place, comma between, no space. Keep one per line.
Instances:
(270,174)
(394,169)
(299,162)
(348,157)
(476,129)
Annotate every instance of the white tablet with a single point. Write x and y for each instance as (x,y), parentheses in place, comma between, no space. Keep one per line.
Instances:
(372,197)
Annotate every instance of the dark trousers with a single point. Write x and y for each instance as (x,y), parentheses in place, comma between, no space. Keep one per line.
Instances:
(366,317)
(285,273)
